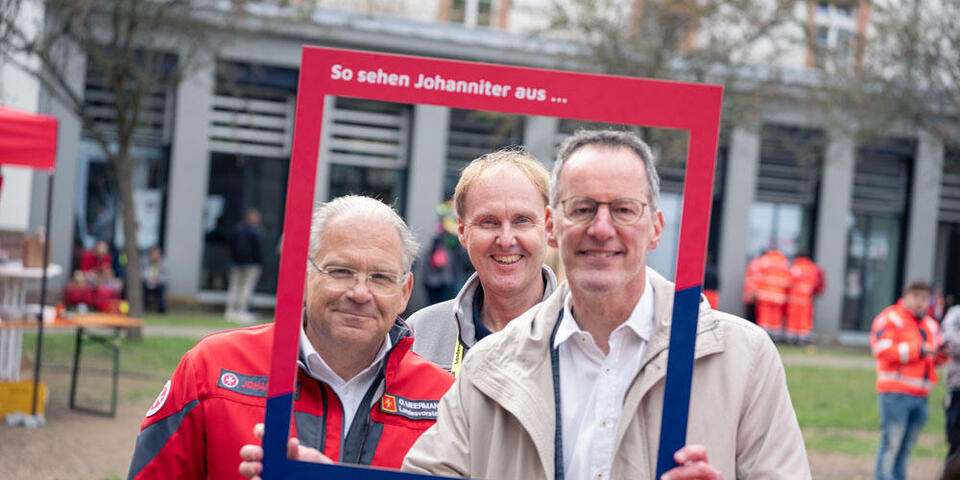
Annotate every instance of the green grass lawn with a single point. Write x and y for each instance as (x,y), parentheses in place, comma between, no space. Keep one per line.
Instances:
(835,351)
(144,363)
(188,320)
(837,409)
(150,356)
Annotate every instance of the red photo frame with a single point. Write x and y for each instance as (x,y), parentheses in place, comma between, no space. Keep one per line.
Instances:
(695,108)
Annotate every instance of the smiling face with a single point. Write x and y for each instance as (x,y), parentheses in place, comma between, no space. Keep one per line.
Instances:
(601,256)
(502,229)
(355,319)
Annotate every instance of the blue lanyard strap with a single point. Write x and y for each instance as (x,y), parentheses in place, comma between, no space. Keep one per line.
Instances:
(558,432)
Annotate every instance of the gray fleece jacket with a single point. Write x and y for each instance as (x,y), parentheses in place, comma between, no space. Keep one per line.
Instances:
(951,334)
(435,328)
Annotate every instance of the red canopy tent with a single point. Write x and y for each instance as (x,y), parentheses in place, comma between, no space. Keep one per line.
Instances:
(27,139)
(30,140)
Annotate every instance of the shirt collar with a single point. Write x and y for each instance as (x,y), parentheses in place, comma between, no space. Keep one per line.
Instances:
(317,368)
(481,330)
(640,319)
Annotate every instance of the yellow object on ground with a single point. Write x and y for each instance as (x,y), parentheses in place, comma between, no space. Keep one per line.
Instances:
(18,397)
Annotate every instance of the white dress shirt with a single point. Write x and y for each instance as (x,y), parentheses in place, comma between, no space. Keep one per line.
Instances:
(593,387)
(349,392)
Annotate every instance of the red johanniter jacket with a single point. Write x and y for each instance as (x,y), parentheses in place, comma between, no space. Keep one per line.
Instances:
(896,340)
(208,408)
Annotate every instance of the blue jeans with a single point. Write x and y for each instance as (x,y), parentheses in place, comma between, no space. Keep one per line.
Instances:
(901,417)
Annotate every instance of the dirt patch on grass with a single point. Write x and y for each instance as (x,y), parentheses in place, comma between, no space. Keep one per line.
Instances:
(75,445)
(835,466)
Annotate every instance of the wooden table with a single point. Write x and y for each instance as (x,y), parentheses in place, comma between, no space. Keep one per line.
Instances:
(13,305)
(84,324)
(13,292)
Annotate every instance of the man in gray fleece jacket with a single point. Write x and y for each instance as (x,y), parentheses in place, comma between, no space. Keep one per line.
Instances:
(951,335)
(501,202)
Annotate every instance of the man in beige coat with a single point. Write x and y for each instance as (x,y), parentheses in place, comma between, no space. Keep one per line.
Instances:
(574,387)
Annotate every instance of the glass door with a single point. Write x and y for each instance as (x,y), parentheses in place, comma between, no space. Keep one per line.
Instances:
(238,183)
(872,276)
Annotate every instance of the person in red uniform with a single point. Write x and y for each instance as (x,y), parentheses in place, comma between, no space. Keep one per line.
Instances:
(908,346)
(97,261)
(95,283)
(806,281)
(751,277)
(363,396)
(772,285)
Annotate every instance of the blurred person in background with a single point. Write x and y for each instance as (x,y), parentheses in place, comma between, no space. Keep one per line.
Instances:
(441,269)
(772,285)
(951,403)
(751,278)
(908,347)
(246,256)
(153,271)
(806,281)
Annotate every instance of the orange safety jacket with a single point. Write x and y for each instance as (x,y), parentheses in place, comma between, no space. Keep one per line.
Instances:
(806,281)
(750,280)
(774,278)
(896,340)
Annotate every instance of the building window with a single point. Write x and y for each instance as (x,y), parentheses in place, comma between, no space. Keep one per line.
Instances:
(98,215)
(783,212)
(472,13)
(236,184)
(251,127)
(834,28)
(473,133)
(368,150)
(877,222)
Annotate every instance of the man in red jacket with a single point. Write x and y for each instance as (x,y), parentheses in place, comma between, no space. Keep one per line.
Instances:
(362,396)
(908,346)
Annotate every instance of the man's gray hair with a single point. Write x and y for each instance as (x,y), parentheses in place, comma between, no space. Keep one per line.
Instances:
(607,139)
(367,207)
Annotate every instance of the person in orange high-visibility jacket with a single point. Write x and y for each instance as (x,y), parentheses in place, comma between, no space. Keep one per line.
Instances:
(749,294)
(806,280)
(908,346)
(774,280)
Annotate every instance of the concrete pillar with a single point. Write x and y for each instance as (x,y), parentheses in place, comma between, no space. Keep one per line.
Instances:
(189,173)
(322,187)
(836,197)
(66,179)
(924,207)
(743,166)
(539,134)
(428,160)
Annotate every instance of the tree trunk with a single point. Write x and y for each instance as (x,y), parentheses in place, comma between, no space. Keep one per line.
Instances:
(123,167)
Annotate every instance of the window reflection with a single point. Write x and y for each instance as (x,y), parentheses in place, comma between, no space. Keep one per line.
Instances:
(784,226)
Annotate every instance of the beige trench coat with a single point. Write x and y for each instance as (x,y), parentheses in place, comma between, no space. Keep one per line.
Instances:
(497,421)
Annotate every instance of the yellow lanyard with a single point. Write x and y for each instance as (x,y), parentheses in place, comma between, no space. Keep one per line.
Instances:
(458,351)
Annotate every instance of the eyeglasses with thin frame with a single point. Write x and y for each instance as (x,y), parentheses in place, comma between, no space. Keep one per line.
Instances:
(623,211)
(381,284)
